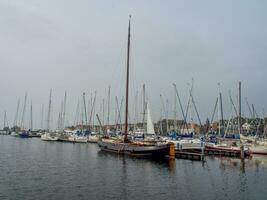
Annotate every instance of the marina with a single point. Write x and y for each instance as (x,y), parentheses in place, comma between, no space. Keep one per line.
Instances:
(133,100)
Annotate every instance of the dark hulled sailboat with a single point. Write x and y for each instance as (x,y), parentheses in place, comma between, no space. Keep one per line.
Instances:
(153,149)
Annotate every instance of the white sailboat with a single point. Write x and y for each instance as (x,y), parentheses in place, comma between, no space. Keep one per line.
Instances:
(148,132)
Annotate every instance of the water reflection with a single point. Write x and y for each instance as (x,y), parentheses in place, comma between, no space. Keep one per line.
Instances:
(252,163)
(42,170)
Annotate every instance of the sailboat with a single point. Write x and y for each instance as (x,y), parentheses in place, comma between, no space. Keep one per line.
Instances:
(148,132)
(23,133)
(48,135)
(5,130)
(125,146)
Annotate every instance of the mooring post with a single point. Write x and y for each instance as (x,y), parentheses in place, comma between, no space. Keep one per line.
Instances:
(202,150)
(171,150)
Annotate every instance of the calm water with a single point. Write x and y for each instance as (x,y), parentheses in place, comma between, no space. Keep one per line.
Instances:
(34,169)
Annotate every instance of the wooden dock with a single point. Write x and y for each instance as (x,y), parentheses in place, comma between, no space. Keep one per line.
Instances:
(189,155)
(227,153)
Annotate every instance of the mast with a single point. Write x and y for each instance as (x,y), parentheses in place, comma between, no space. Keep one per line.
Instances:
(221,107)
(144,105)
(214,110)
(180,103)
(163,112)
(84,106)
(91,119)
(188,108)
(23,111)
(59,121)
(127,84)
(250,111)
(31,117)
(108,105)
(174,112)
(239,107)
(167,114)
(76,119)
(49,111)
(161,116)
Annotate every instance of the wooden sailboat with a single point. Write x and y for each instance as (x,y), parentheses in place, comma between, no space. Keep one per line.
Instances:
(154,149)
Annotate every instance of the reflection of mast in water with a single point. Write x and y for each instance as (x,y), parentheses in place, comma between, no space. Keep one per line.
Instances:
(242,165)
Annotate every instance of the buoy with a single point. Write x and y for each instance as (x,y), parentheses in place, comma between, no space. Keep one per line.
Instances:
(172,150)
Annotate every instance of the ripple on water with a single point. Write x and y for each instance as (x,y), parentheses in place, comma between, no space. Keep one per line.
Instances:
(34,169)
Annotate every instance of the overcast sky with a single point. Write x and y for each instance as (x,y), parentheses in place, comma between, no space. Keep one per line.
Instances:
(80,46)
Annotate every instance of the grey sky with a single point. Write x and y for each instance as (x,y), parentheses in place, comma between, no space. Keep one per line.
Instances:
(81,46)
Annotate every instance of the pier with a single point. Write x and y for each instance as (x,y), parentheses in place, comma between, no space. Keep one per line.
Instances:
(227,153)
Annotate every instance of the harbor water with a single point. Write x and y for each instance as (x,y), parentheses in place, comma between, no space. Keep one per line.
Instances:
(34,169)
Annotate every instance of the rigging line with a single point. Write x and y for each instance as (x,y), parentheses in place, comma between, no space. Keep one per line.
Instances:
(214,110)
(232,102)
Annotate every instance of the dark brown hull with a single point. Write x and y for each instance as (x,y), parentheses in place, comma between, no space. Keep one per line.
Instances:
(137,150)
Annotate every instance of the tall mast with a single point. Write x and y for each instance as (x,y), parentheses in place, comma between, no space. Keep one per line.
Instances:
(91,119)
(239,107)
(214,110)
(49,111)
(167,114)
(219,110)
(84,106)
(180,103)
(163,112)
(174,111)
(23,111)
(144,105)
(31,117)
(108,105)
(127,83)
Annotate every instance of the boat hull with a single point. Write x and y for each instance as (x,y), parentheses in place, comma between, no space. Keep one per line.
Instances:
(92,139)
(259,152)
(24,135)
(136,150)
(49,137)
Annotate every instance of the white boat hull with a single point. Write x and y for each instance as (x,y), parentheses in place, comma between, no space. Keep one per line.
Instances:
(93,138)
(49,137)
